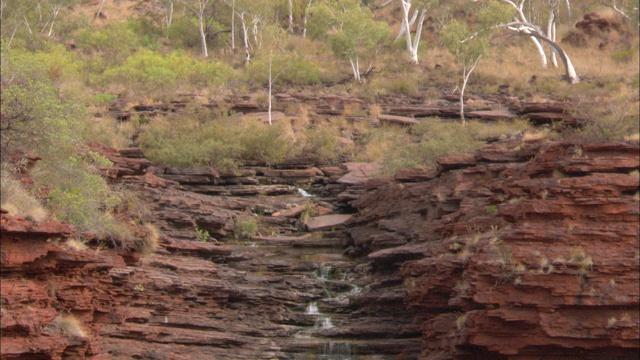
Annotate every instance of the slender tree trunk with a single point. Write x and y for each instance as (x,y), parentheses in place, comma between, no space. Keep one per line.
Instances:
(551,29)
(355,67)
(615,7)
(245,37)
(28,26)
(406,25)
(12,35)
(523,18)
(233,26)
(254,29)
(55,9)
(99,9)
(203,37)
(465,79)
(169,15)
(270,86)
(570,71)
(290,28)
(413,48)
(304,19)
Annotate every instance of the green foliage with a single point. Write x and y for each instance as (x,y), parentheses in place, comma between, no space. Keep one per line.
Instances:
(491,209)
(35,117)
(321,142)
(203,138)
(349,28)
(624,55)
(52,62)
(422,143)
(148,71)
(183,32)
(617,120)
(264,143)
(116,39)
(294,70)
(457,38)
(104,99)
(79,196)
(245,228)
(202,234)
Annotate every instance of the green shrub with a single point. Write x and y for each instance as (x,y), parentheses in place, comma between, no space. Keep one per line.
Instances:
(624,55)
(321,142)
(289,68)
(183,32)
(245,228)
(115,41)
(148,71)
(202,234)
(421,144)
(401,86)
(264,143)
(188,143)
(616,120)
(200,137)
(79,196)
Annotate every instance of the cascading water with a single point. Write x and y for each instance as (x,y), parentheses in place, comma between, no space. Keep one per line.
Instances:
(312,308)
(337,351)
(324,272)
(324,323)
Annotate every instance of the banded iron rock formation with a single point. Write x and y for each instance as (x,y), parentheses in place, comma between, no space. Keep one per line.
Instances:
(520,250)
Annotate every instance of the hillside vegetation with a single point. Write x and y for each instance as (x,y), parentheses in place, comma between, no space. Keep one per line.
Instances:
(66,62)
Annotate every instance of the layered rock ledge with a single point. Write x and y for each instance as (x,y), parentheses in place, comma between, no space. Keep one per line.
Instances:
(520,250)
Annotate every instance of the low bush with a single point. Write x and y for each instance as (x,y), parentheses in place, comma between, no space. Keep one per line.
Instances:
(245,228)
(617,120)
(201,137)
(149,72)
(420,145)
(288,68)
(117,39)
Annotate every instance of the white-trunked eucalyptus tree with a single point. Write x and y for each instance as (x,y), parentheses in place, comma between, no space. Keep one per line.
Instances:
(199,7)
(522,26)
(251,14)
(469,45)
(351,30)
(420,7)
(273,39)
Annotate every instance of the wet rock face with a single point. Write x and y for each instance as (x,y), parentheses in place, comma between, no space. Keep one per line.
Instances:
(513,255)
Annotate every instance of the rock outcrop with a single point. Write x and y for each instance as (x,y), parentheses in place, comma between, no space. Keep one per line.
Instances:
(521,249)
(518,250)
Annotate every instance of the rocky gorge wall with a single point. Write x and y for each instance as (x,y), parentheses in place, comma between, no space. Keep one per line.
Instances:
(522,249)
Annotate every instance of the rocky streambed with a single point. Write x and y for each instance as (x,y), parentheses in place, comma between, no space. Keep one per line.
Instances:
(521,249)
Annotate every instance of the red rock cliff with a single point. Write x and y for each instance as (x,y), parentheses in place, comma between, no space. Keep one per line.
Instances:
(516,251)
(520,250)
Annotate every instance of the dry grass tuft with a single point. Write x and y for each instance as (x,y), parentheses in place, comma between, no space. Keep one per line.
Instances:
(77,244)
(17,200)
(66,324)
(106,130)
(148,244)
